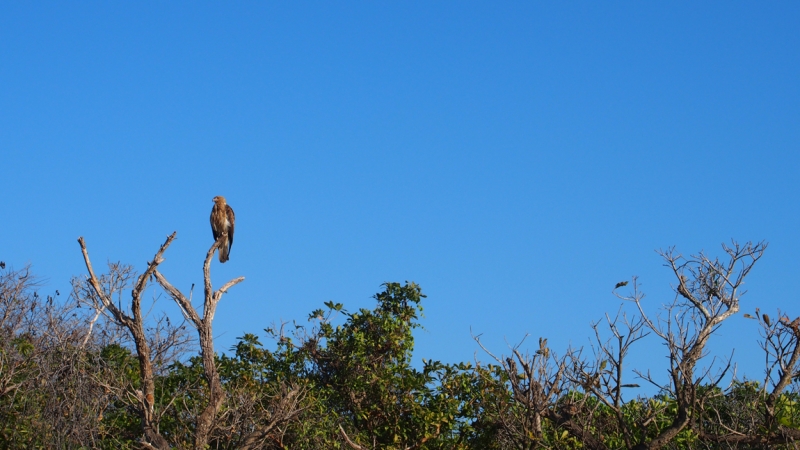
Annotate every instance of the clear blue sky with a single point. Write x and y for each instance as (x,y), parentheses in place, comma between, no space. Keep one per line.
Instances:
(515,159)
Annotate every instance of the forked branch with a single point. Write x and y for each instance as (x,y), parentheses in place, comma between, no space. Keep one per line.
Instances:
(135,326)
(203,324)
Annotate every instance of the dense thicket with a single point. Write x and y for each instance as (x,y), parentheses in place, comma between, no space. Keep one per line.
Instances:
(74,375)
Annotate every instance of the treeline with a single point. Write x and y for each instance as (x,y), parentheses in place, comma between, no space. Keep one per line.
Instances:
(88,369)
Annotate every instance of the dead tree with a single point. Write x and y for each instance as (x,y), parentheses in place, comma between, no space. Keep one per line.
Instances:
(267,415)
(762,416)
(782,346)
(101,298)
(203,325)
(100,295)
(541,390)
(603,375)
(707,293)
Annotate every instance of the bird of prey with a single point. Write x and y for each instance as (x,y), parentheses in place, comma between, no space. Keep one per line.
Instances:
(222,221)
(620,284)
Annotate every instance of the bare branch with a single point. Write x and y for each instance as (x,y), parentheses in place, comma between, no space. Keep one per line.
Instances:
(216,394)
(184,303)
(135,325)
(352,444)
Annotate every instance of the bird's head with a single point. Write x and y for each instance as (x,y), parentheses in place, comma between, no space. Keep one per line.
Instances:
(220,200)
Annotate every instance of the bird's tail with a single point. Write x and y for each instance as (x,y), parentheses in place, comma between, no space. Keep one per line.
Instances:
(224,250)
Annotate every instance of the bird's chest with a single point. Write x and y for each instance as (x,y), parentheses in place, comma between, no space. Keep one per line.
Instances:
(221,219)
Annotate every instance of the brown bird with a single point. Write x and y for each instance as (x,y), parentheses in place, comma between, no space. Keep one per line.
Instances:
(222,222)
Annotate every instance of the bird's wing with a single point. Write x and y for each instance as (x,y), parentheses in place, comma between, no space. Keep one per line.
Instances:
(232,220)
(213,225)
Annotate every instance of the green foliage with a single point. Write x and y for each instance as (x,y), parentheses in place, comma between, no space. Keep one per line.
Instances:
(788,411)
(362,375)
